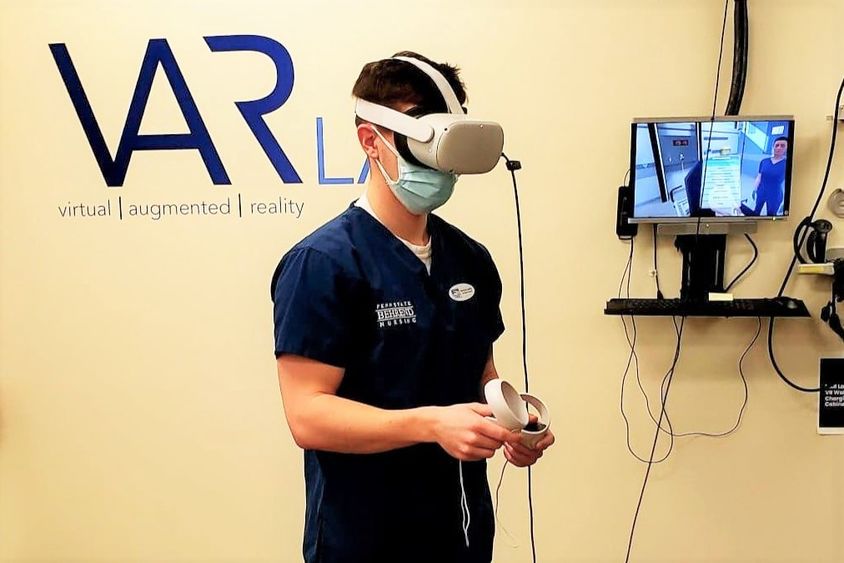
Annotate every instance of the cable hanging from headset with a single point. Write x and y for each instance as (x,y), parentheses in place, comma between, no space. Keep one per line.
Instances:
(512,166)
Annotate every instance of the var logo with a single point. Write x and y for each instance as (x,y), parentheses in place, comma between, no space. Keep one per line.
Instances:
(159,53)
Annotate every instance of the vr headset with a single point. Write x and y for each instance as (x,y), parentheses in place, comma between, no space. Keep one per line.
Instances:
(449,142)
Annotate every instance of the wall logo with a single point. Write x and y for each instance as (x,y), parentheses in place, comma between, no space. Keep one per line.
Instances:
(395,313)
(198,138)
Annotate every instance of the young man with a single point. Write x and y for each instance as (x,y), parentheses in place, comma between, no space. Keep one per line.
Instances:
(381,366)
(770,179)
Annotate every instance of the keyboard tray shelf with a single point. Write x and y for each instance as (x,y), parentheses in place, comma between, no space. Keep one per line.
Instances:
(774,307)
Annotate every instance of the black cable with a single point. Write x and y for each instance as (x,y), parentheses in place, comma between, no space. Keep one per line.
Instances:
(718,70)
(741,30)
(656,270)
(631,342)
(711,122)
(749,265)
(810,217)
(670,374)
(634,357)
(512,166)
(656,437)
(628,268)
(670,430)
(744,401)
(823,184)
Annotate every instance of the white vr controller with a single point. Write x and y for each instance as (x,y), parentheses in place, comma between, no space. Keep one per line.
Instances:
(509,409)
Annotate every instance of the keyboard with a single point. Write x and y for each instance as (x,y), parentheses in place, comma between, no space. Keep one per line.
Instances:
(773,307)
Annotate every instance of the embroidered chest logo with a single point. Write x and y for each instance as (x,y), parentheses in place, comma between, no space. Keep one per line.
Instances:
(395,313)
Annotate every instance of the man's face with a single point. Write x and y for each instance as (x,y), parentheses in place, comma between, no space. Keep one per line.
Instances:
(779,148)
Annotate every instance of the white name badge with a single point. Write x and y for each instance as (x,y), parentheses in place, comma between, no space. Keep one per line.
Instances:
(461,292)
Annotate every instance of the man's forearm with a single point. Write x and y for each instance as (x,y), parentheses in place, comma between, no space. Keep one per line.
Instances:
(489,372)
(327,422)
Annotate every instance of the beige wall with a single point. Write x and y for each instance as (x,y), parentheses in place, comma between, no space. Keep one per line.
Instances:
(140,413)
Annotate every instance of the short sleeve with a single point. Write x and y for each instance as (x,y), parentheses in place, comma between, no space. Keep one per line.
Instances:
(761,165)
(497,328)
(311,309)
(496,324)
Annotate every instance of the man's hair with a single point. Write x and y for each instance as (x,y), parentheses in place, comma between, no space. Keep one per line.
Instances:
(390,82)
(778,139)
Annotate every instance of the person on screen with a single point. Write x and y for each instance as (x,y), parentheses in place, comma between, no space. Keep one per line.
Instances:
(770,182)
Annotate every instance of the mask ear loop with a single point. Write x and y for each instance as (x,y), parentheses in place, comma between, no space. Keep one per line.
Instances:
(385,141)
(392,150)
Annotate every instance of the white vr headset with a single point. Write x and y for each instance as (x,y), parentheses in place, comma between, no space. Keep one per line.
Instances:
(450,142)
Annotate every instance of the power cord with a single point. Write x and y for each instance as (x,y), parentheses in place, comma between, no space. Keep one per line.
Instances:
(656,269)
(670,377)
(670,374)
(749,265)
(632,342)
(670,429)
(633,357)
(512,166)
(705,155)
(712,116)
(810,217)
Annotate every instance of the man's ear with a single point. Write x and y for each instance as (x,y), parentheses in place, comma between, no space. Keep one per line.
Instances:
(366,137)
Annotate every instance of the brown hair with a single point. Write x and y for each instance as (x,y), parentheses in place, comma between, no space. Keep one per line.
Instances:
(390,82)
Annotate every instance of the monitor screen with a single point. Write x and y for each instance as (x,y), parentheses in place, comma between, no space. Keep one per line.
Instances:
(729,169)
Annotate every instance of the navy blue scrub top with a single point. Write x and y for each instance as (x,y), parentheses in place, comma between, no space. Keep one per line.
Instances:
(353,295)
(772,176)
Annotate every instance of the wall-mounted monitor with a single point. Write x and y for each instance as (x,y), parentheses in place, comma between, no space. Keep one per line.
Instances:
(728,169)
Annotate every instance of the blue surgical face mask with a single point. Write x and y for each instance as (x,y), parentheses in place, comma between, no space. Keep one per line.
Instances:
(419,189)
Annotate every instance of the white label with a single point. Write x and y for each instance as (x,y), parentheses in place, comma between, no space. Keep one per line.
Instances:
(461,292)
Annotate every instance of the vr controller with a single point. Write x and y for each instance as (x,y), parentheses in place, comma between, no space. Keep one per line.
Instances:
(509,409)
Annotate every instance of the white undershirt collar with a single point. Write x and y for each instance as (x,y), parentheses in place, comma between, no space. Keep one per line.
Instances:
(423,252)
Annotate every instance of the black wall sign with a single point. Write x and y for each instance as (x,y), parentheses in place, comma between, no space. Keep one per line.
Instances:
(831,400)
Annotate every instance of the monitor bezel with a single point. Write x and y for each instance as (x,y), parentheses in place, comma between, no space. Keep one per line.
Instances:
(720,118)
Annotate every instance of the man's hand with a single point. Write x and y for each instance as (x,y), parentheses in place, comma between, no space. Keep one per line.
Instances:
(464,432)
(520,455)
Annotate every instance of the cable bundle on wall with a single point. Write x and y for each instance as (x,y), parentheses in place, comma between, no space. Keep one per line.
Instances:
(741,30)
